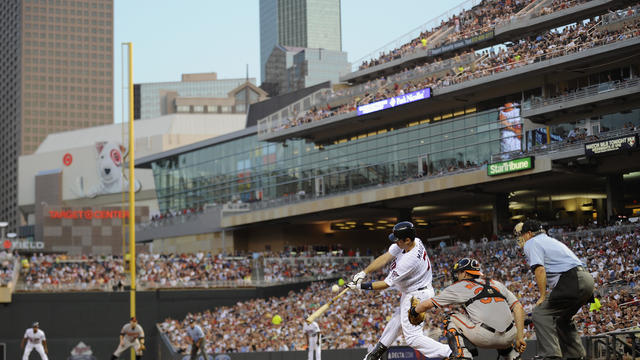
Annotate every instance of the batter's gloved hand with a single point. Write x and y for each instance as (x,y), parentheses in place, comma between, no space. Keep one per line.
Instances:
(357,278)
(353,286)
(415,318)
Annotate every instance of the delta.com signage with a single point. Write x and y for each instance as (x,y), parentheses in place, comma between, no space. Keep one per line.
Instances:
(510,166)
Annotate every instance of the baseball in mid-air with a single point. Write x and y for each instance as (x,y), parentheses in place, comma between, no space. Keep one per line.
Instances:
(335,288)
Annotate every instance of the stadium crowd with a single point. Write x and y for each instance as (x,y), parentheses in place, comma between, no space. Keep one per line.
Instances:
(6,267)
(549,45)
(612,256)
(478,20)
(63,272)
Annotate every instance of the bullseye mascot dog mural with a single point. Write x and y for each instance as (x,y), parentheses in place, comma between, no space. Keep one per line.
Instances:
(110,156)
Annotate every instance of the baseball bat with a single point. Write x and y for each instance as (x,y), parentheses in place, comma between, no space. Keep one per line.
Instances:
(316,314)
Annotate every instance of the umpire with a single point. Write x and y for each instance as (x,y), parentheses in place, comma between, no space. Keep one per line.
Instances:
(571,287)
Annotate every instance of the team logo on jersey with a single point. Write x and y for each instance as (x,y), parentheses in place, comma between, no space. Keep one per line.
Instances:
(394,274)
(82,351)
(393,265)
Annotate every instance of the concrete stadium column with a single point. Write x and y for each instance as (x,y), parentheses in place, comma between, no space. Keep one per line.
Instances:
(615,195)
(501,213)
(404,215)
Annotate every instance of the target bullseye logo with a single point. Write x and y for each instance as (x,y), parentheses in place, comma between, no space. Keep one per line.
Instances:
(67,159)
(7,244)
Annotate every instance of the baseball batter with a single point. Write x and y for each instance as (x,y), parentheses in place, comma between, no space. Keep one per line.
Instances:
(35,339)
(313,338)
(411,274)
(488,323)
(130,335)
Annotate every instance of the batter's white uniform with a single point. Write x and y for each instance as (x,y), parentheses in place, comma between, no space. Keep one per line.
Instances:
(34,341)
(313,334)
(132,336)
(411,274)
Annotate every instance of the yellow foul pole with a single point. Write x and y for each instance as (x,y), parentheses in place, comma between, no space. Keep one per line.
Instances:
(132,193)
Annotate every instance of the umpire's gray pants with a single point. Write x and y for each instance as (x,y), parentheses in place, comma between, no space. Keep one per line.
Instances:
(553,319)
(199,349)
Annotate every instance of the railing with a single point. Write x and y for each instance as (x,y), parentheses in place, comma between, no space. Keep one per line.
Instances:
(537,103)
(21,286)
(414,74)
(288,200)
(415,33)
(598,232)
(177,219)
(610,345)
(621,15)
(545,149)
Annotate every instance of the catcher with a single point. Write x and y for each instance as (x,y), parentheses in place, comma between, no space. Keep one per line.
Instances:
(130,335)
(488,323)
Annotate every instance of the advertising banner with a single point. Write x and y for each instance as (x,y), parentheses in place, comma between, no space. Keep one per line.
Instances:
(625,143)
(394,101)
(510,166)
(405,353)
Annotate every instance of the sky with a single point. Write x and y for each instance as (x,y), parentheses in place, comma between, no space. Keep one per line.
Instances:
(172,37)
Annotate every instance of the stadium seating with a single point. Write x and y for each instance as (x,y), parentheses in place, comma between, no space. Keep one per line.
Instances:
(611,254)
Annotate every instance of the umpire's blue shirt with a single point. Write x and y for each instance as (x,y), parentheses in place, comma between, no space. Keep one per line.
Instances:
(555,256)
(195,333)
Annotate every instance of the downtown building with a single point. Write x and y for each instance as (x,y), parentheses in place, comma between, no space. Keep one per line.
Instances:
(56,74)
(300,44)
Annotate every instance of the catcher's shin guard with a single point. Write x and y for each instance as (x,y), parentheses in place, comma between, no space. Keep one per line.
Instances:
(508,354)
(456,343)
(377,352)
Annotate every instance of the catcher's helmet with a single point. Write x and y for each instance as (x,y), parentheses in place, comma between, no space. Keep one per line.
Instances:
(468,265)
(403,230)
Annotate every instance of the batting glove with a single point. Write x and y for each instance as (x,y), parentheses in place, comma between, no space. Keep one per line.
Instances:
(357,278)
(354,286)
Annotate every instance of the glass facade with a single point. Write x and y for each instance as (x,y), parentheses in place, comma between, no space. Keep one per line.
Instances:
(250,170)
(151,98)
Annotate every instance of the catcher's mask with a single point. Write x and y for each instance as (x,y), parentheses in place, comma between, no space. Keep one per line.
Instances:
(524,227)
(468,265)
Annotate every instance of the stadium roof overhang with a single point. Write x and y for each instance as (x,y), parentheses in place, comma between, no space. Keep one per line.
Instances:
(517,29)
(465,94)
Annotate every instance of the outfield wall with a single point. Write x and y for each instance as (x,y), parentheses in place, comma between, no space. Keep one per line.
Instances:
(96,318)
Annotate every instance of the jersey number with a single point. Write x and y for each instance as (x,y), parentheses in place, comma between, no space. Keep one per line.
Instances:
(476,291)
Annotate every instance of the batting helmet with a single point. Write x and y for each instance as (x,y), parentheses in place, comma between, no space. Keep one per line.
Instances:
(468,265)
(403,230)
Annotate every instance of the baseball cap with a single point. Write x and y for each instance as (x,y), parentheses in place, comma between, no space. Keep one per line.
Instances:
(35,324)
(192,320)
(133,318)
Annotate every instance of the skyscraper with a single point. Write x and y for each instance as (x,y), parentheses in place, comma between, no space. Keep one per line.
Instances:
(56,74)
(299,23)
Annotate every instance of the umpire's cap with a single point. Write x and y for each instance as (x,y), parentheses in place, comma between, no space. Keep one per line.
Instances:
(468,265)
(403,230)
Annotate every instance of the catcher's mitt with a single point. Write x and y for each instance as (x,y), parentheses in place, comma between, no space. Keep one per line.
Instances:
(414,317)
